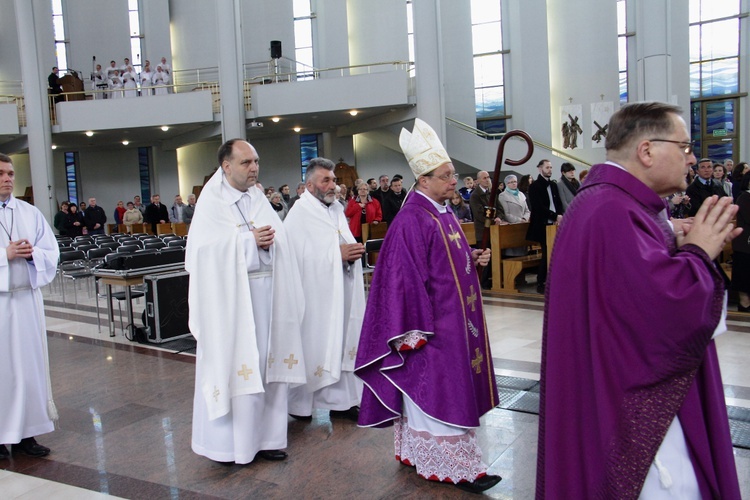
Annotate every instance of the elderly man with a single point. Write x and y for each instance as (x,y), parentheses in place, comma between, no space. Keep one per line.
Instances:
(156,213)
(703,187)
(94,217)
(424,351)
(329,262)
(379,193)
(177,212)
(632,403)
(479,202)
(28,261)
(189,210)
(245,302)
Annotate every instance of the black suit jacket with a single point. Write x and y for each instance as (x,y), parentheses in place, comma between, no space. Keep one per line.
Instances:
(477,201)
(156,214)
(539,206)
(698,192)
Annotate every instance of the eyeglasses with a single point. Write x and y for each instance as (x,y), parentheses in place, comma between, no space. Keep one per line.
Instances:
(445,177)
(687,146)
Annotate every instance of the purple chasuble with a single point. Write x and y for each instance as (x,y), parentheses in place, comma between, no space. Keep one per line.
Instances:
(425,283)
(627,346)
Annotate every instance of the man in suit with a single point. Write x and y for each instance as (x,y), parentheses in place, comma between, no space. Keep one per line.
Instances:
(156,213)
(478,201)
(703,186)
(546,209)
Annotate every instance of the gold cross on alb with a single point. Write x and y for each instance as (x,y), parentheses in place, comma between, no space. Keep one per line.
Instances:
(291,361)
(271,359)
(319,371)
(476,363)
(216,394)
(245,372)
(454,236)
(353,353)
(471,299)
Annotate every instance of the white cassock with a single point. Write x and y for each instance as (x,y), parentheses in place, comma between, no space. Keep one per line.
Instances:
(130,86)
(246,307)
(115,87)
(334,306)
(161,78)
(145,79)
(25,390)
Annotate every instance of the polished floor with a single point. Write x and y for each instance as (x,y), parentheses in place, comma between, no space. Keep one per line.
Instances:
(125,416)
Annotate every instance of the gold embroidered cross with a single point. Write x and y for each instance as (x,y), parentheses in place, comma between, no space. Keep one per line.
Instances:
(245,372)
(476,363)
(216,394)
(471,299)
(319,371)
(291,361)
(271,359)
(353,353)
(454,236)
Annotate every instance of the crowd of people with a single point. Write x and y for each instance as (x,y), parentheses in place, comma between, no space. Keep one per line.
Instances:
(283,328)
(115,82)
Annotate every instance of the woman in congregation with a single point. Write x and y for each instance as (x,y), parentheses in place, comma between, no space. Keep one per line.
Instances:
(278,205)
(741,249)
(119,212)
(524,182)
(132,216)
(74,221)
(460,209)
(720,178)
(362,209)
(515,209)
(737,173)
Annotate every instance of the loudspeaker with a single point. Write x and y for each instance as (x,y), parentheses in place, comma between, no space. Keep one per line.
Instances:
(166,314)
(275,49)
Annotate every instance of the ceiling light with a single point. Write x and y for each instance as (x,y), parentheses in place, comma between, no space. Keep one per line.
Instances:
(89,133)
(125,143)
(353,112)
(297,129)
(165,128)
(54,147)
(275,119)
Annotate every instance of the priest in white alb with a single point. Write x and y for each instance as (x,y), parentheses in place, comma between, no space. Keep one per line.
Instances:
(246,306)
(28,261)
(329,262)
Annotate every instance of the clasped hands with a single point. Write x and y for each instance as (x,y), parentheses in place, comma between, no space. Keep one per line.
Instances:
(19,249)
(264,236)
(711,228)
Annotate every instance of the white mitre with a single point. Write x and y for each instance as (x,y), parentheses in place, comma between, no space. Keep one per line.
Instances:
(422,148)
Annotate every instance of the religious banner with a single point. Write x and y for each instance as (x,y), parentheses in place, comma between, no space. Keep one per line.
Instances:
(600,114)
(570,117)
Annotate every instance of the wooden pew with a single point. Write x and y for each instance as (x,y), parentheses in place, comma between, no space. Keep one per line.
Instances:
(179,228)
(506,269)
(165,228)
(551,235)
(471,235)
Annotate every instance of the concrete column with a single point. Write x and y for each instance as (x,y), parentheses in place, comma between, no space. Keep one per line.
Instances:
(229,33)
(428,59)
(37,111)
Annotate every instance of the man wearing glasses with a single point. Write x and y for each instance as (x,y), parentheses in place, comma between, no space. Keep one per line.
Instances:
(424,352)
(703,186)
(631,402)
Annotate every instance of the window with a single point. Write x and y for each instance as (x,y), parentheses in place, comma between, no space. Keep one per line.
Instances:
(622,48)
(144,169)
(61,44)
(303,40)
(715,77)
(135,35)
(489,78)
(410,32)
(71,175)
(308,149)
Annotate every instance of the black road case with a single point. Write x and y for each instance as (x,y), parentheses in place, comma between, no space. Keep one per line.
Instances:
(166,306)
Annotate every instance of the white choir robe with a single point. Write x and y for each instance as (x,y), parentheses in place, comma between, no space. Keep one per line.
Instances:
(334,307)
(160,79)
(220,254)
(25,390)
(115,87)
(130,86)
(146,79)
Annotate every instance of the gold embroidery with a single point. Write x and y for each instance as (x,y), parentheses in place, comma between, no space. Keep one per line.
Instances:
(291,361)
(216,394)
(476,363)
(471,299)
(454,236)
(319,371)
(245,372)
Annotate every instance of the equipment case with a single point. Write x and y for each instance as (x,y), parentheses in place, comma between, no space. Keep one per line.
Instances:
(166,314)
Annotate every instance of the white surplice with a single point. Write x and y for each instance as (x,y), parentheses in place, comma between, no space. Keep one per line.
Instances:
(245,310)
(25,392)
(334,306)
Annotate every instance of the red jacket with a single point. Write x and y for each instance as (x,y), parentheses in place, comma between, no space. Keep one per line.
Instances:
(353,211)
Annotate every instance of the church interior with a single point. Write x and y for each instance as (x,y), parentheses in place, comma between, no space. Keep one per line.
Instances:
(337,79)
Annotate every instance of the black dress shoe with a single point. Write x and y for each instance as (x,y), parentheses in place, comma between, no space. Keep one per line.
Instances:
(480,484)
(29,446)
(301,417)
(351,414)
(273,455)
(4,453)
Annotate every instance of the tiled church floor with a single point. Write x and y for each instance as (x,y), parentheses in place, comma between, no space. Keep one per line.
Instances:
(125,416)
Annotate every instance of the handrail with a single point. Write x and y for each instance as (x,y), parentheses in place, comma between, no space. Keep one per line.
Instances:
(485,135)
